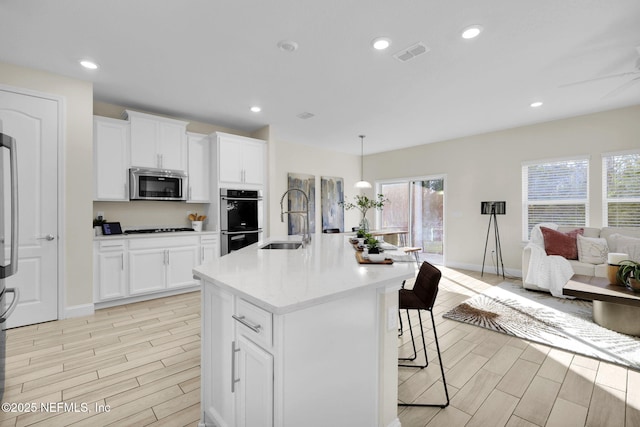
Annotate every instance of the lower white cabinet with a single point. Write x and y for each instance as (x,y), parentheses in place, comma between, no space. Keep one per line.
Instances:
(209,248)
(261,369)
(138,266)
(238,383)
(254,388)
(157,264)
(110,270)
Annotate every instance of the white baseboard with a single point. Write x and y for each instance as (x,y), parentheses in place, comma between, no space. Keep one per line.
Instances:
(78,311)
(395,423)
(145,297)
(488,269)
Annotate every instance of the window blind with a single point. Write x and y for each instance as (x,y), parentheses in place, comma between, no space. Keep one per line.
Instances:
(555,191)
(621,188)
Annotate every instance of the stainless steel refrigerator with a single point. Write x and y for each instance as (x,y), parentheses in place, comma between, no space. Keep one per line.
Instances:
(8,238)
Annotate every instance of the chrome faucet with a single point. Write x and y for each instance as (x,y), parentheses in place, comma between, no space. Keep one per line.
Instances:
(306,238)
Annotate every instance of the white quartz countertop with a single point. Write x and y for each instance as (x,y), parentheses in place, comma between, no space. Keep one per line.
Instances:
(154,235)
(286,280)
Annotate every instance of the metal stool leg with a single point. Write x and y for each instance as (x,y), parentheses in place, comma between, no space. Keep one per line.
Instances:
(415,353)
(444,381)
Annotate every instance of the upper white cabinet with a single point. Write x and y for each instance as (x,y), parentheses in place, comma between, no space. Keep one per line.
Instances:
(110,159)
(240,160)
(199,149)
(157,142)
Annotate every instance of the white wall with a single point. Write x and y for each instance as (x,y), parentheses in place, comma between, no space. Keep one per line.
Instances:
(488,167)
(285,157)
(78,147)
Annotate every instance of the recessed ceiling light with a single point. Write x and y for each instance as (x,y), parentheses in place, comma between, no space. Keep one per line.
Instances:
(89,65)
(381,43)
(288,45)
(256,109)
(536,104)
(471,32)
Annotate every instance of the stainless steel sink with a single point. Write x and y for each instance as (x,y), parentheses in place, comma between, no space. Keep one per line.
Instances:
(282,245)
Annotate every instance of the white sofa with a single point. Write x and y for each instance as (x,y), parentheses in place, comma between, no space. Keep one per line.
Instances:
(588,269)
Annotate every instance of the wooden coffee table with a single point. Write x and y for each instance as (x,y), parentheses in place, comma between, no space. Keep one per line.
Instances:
(614,307)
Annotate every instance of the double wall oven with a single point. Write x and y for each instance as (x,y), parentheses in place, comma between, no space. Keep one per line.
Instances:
(240,218)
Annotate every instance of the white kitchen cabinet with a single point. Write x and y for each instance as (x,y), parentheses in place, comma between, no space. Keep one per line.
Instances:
(110,159)
(238,385)
(199,154)
(158,264)
(157,142)
(254,394)
(209,248)
(147,271)
(240,161)
(266,369)
(110,270)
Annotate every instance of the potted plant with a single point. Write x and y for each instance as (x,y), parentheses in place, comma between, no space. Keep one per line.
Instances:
(629,274)
(363,204)
(373,246)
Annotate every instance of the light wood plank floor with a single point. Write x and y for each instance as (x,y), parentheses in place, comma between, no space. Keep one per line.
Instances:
(143,361)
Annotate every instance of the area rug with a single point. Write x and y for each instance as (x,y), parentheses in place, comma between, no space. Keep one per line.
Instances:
(542,318)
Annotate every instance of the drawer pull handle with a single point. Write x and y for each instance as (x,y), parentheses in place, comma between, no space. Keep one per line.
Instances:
(241,319)
(234,350)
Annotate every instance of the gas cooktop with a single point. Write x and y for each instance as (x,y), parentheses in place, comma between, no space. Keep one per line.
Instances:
(157,230)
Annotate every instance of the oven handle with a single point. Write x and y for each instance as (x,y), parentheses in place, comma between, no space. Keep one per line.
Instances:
(259,230)
(242,199)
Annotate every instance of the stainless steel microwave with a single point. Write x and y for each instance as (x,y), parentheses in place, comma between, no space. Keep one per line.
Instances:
(157,184)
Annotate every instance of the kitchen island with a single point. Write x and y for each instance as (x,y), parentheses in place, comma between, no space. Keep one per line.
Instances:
(294,337)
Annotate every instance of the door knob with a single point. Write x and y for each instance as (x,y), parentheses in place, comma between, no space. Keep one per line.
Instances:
(47,237)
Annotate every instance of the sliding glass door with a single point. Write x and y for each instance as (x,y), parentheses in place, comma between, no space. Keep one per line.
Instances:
(416,205)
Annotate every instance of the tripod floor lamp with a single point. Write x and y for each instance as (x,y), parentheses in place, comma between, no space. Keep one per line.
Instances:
(492,209)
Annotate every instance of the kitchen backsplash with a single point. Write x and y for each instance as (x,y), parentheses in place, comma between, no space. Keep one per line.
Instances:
(150,213)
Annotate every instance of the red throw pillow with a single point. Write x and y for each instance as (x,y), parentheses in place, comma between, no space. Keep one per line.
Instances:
(559,243)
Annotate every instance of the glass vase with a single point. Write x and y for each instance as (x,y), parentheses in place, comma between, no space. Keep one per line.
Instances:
(364,224)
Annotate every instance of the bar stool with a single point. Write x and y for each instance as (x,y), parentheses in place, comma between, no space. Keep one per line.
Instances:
(423,297)
(415,251)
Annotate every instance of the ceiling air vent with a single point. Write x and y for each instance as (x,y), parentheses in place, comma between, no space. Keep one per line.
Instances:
(411,52)
(305,115)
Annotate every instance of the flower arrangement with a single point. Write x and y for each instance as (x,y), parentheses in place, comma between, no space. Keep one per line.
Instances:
(363,204)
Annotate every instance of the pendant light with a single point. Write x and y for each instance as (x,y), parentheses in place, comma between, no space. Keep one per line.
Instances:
(362,183)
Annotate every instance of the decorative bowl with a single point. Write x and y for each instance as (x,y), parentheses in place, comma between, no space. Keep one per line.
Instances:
(376,257)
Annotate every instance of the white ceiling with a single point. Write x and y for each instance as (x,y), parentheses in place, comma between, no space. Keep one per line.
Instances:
(210,60)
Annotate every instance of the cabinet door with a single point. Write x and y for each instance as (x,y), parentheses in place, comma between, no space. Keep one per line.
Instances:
(199,166)
(208,253)
(111,275)
(144,142)
(147,270)
(217,354)
(172,149)
(111,159)
(230,161)
(254,392)
(180,264)
(253,163)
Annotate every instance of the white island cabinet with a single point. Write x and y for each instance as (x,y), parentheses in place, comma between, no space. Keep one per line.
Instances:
(303,337)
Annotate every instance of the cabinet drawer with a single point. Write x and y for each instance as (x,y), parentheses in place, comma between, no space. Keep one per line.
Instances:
(254,322)
(208,239)
(163,242)
(111,245)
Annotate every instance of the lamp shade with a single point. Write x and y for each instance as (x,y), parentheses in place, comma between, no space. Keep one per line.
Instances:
(363,184)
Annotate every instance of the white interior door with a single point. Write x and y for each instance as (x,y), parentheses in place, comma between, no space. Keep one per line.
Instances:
(33,122)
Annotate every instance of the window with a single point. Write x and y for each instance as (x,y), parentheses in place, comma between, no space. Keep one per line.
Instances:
(555,191)
(621,189)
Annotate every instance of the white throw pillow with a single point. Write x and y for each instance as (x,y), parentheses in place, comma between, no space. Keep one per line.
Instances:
(627,245)
(592,250)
